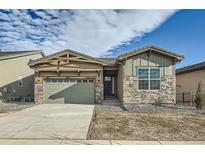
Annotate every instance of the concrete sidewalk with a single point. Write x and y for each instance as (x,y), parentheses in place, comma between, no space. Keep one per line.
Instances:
(93,142)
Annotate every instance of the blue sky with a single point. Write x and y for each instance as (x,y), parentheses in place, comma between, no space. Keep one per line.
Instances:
(105,32)
(183,33)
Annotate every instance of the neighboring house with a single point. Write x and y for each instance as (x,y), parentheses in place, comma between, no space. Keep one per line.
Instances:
(188,77)
(146,75)
(16,77)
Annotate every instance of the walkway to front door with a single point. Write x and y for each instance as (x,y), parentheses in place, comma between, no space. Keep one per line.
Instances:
(110,105)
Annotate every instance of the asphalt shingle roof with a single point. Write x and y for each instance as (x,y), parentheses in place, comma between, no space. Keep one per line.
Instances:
(194,67)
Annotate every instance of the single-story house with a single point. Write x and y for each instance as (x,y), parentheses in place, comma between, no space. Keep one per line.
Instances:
(146,75)
(189,77)
(16,77)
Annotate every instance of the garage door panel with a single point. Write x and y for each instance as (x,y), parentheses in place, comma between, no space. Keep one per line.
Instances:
(69,92)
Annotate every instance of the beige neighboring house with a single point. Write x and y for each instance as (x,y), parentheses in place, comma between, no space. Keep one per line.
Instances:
(146,75)
(188,77)
(16,77)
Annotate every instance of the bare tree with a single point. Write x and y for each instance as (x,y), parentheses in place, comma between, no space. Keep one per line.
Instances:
(200,95)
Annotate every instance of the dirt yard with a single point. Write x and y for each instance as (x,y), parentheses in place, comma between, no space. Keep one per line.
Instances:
(147,126)
(4,114)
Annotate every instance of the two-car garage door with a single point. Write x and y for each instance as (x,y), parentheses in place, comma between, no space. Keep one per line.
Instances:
(74,91)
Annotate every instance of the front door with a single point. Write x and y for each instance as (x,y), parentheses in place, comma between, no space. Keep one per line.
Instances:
(109,89)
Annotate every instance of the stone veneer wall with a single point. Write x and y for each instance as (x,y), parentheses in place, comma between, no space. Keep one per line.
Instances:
(167,93)
(38,91)
(99,92)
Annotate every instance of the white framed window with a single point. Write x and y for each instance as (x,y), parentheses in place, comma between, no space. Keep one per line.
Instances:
(149,78)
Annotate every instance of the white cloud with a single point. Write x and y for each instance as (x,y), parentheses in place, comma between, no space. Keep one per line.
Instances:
(94,32)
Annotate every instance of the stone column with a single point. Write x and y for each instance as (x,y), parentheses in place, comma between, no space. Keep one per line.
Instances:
(99,92)
(38,90)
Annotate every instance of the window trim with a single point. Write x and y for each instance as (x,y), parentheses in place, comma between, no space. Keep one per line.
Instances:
(149,79)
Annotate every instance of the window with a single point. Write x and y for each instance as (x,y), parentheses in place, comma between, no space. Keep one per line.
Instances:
(149,78)
(53,80)
(20,83)
(85,81)
(47,80)
(107,78)
(91,81)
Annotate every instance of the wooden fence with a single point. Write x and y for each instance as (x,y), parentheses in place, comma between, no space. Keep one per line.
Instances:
(185,98)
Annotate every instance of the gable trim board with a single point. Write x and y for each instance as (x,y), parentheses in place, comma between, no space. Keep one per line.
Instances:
(70,64)
(68,51)
(150,49)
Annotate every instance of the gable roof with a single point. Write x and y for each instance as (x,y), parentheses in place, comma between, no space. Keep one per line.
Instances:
(110,61)
(14,54)
(43,59)
(191,68)
(152,48)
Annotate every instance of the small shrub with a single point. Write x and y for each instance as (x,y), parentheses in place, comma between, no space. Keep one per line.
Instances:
(200,95)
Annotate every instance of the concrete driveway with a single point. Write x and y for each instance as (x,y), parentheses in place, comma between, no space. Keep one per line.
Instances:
(48,121)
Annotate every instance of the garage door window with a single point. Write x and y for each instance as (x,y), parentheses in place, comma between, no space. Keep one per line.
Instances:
(48,80)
